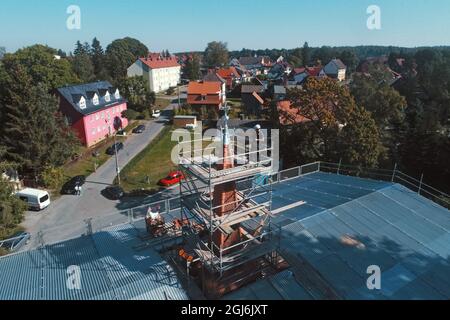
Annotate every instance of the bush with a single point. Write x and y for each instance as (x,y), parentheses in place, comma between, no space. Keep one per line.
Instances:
(52,177)
(130,114)
(145,114)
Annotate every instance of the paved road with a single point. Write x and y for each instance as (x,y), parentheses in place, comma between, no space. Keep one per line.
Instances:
(73,210)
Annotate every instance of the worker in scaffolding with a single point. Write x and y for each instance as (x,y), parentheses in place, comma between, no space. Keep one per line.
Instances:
(154,222)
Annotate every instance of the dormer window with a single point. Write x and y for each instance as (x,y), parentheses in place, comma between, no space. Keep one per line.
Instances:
(82,103)
(117,94)
(95,100)
(107,96)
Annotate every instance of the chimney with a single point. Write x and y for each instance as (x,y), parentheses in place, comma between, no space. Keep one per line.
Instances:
(225,195)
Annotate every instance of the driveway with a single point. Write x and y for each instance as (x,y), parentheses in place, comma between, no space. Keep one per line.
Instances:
(69,209)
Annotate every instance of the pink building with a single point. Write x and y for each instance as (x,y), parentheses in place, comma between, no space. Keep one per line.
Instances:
(93,110)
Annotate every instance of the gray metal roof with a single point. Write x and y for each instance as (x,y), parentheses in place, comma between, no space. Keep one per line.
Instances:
(406,235)
(74,93)
(250,88)
(279,89)
(281,286)
(111,269)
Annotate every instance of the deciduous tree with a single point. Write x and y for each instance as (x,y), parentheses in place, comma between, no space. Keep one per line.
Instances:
(216,54)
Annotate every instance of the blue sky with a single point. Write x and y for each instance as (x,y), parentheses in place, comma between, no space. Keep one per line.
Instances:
(183,25)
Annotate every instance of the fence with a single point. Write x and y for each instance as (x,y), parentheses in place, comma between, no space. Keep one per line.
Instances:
(169,206)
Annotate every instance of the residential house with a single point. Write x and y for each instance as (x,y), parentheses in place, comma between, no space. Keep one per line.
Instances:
(252,98)
(279,70)
(213,76)
(160,72)
(204,96)
(336,69)
(231,76)
(93,110)
(278,92)
(299,75)
(256,65)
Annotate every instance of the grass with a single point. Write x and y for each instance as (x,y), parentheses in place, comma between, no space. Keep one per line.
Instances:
(150,165)
(153,163)
(161,103)
(86,165)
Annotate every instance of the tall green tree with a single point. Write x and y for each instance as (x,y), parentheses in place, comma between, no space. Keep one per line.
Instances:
(136,91)
(121,54)
(35,133)
(336,127)
(375,94)
(306,54)
(12,208)
(79,49)
(83,67)
(38,64)
(191,69)
(350,59)
(98,57)
(216,54)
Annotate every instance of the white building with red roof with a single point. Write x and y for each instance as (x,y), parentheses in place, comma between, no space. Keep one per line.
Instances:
(161,72)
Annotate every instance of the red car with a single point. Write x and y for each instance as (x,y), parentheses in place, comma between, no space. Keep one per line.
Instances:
(172,178)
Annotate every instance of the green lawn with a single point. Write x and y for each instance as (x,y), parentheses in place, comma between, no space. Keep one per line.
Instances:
(150,165)
(161,103)
(86,165)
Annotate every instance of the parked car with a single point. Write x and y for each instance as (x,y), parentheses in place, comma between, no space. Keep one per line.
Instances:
(139,129)
(17,241)
(121,132)
(111,150)
(35,198)
(172,178)
(113,192)
(69,186)
(191,126)
(156,113)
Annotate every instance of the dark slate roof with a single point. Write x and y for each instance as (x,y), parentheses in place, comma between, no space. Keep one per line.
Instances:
(279,89)
(213,77)
(74,93)
(248,88)
(339,63)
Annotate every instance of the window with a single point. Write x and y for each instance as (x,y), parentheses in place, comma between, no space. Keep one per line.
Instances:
(95,100)
(94,132)
(99,129)
(107,97)
(43,199)
(117,94)
(82,103)
(103,115)
(97,116)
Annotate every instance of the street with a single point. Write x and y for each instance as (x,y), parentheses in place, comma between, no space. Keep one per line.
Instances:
(71,209)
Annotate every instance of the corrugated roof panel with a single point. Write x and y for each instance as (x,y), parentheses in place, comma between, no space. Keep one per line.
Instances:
(396,229)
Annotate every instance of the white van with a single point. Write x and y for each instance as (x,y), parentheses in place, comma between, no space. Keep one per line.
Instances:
(36,199)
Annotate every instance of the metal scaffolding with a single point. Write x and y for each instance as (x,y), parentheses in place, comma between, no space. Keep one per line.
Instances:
(251,213)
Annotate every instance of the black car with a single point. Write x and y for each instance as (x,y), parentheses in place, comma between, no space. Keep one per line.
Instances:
(69,186)
(139,129)
(113,192)
(111,151)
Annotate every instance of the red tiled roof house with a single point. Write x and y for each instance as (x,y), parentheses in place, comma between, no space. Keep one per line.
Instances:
(205,95)
(160,72)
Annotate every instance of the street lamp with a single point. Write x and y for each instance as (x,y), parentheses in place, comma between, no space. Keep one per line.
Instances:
(115,153)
